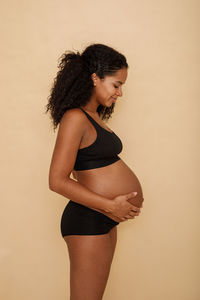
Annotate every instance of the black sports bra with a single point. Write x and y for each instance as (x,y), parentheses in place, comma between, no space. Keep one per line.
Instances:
(102,152)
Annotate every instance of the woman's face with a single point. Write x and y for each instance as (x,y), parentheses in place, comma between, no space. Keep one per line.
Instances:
(108,89)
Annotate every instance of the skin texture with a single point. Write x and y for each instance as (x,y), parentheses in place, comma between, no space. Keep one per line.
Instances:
(110,181)
(114,179)
(107,189)
(106,89)
(89,275)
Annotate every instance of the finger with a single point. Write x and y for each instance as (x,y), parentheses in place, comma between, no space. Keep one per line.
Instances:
(130,217)
(127,217)
(132,213)
(131,195)
(135,208)
(138,212)
(135,211)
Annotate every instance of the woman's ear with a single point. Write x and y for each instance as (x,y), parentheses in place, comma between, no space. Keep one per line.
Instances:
(94,78)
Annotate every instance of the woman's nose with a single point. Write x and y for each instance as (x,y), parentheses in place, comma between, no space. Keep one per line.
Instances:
(119,92)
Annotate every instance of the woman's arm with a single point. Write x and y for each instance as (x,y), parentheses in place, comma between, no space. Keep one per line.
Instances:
(70,133)
(71,130)
(76,192)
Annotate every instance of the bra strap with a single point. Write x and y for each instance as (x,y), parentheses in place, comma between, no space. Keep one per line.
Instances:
(90,118)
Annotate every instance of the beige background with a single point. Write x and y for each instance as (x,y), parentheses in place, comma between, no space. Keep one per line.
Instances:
(157,255)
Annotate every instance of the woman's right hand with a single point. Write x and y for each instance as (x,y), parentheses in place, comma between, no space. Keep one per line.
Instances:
(123,209)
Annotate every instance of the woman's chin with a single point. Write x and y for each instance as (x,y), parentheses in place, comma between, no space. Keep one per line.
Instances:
(111,103)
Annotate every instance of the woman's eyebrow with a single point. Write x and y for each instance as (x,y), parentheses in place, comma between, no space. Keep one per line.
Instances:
(119,81)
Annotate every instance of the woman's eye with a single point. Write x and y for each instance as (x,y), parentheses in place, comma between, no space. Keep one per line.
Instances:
(115,86)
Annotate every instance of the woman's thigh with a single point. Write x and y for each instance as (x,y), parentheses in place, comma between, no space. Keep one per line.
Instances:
(90,262)
(113,238)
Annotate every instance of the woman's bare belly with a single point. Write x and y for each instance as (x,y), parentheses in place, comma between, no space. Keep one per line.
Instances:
(111,181)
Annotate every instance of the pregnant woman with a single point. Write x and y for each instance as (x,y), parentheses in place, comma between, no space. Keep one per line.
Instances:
(104,191)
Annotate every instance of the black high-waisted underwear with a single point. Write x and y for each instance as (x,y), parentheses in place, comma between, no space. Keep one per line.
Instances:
(81,220)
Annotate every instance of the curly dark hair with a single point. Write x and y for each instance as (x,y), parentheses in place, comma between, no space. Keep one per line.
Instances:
(73,85)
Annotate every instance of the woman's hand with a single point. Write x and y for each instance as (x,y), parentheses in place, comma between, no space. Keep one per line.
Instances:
(124,210)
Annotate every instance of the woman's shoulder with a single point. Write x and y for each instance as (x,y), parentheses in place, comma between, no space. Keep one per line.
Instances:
(73,117)
(74,114)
